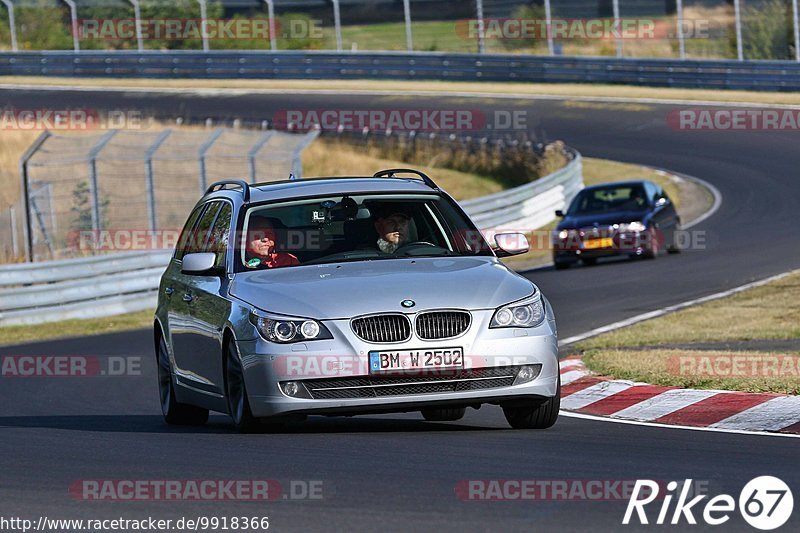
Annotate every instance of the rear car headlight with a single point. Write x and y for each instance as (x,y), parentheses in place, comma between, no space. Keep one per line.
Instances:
(633,226)
(527,313)
(287,330)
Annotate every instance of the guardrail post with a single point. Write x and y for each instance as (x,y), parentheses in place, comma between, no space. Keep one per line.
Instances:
(12,26)
(73,15)
(251,154)
(407,17)
(297,162)
(681,36)
(739,47)
(481,27)
(137,20)
(615,5)
(12,213)
(337,25)
(201,154)
(148,171)
(271,15)
(795,22)
(23,172)
(93,186)
(203,24)
(548,20)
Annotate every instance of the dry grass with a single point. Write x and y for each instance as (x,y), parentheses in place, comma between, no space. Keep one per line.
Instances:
(766,312)
(324,158)
(11,335)
(563,90)
(12,145)
(701,369)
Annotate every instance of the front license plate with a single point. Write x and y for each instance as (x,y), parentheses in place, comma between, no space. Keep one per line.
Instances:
(401,360)
(592,244)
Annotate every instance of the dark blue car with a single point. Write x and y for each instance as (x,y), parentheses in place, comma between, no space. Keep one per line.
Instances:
(634,218)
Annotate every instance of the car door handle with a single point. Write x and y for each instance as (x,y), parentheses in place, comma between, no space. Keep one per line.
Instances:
(188,297)
(168,291)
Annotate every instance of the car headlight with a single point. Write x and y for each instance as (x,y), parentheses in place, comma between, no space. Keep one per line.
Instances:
(523,314)
(633,226)
(287,330)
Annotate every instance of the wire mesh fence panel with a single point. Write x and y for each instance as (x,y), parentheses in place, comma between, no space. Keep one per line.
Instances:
(709,29)
(102,191)
(60,164)
(305,25)
(10,250)
(767,31)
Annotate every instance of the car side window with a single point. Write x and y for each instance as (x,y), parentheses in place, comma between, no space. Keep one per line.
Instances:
(196,239)
(220,232)
(188,229)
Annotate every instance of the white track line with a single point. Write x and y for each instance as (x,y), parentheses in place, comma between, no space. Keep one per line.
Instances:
(209,91)
(772,415)
(670,426)
(595,393)
(663,404)
(672,308)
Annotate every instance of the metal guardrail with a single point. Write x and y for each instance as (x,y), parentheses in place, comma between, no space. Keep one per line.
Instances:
(528,206)
(105,285)
(708,74)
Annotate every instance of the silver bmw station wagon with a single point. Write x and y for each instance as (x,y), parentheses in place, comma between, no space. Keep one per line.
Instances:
(345,296)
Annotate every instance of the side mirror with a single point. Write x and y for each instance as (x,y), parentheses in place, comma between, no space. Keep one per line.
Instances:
(200,264)
(559,213)
(510,244)
(662,201)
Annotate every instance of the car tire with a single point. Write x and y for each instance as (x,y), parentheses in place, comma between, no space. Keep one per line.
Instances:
(559,265)
(674,247)
(540,416)
(653,251)
(236,392)
(443,414)
(174,412)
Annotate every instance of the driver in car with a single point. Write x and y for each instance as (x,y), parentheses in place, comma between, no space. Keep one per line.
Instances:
(261,251)
(392,230)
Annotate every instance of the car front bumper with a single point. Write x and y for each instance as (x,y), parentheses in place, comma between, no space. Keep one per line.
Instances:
(267,365)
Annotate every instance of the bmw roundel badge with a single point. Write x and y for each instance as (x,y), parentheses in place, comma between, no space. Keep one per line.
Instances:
(408,303)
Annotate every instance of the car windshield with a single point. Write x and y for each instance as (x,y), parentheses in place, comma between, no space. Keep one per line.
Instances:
(610,198)
(355,228)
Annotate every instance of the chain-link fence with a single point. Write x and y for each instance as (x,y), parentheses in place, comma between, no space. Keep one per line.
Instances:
(118,186)
(713,29)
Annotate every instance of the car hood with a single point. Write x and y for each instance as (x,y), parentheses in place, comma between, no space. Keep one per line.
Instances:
(601,219)
(345,290)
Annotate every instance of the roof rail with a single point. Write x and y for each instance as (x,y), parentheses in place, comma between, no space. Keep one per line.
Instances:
(390,173)
(222,183)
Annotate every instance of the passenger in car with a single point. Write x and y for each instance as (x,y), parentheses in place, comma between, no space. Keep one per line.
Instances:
(261,248)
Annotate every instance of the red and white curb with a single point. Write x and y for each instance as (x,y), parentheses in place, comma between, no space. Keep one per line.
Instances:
(582,392)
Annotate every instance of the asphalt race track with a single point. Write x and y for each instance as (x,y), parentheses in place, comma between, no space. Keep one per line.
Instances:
(396,472)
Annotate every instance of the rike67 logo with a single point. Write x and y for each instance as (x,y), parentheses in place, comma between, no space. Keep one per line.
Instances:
(765,503)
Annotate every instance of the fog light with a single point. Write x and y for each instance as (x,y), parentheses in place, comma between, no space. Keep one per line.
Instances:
(527,373)
(291,388)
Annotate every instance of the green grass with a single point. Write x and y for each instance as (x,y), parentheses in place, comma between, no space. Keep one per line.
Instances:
(769,312)
(10,335)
